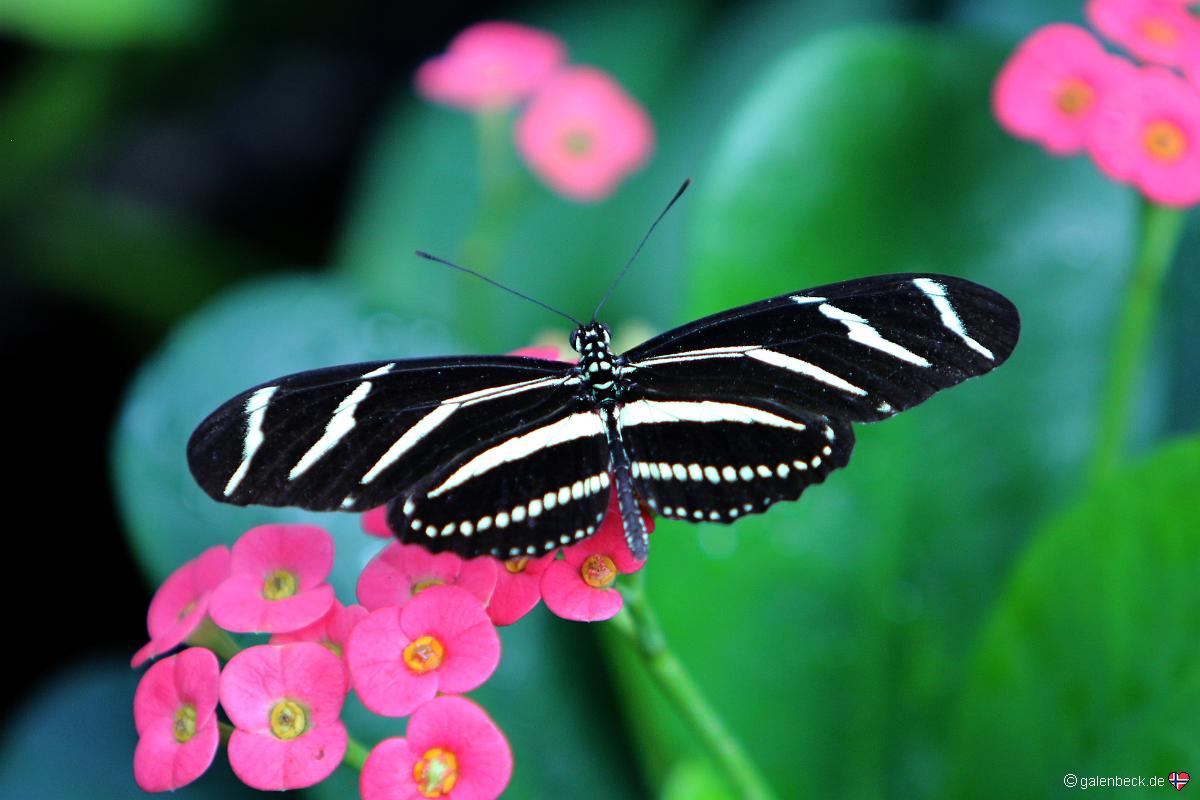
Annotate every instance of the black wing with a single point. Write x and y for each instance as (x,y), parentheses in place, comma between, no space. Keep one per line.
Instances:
(860,350)
(356,436)
(527,493)
(731,413)
(716,460)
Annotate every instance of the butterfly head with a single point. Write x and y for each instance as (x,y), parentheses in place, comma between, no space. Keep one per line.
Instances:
(593,337)
(596,362)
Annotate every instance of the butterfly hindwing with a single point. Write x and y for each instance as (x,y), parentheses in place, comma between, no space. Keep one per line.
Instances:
(524,495)
(356,436)
(716,460)
(860,350)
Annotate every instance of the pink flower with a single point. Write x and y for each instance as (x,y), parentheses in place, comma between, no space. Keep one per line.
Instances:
(374,522)
(331,632)
(491,65)
(441,641)
(400,571)
(451,749)
(544,352)
(1157,31)
(582,134)
(1052,86)
(1149,135)
(579,586)
(518,588)
(181,603)
(285,701)
(174,711)
(277,580)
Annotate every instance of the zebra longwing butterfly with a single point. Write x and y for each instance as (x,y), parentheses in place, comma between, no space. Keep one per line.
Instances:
(508,456)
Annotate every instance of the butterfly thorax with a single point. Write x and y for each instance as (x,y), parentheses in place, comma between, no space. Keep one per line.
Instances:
(597,364)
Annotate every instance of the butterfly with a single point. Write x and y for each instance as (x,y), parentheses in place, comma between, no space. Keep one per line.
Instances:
(508,456)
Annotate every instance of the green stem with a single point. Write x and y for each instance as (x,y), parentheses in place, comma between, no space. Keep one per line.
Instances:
(640,627)
(1159,233)
(207,634)
(356,753)
(492,134)
(480,248)
(498,200)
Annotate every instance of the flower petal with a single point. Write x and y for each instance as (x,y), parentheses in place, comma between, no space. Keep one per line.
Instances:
(304,550)
(264,762)
(375,655)
(238,605)
(161,764)
(392,575)
(490,65)
(387,773)
(457,724)
(374,522)
(582,134)
(257,678)
(181,603)
(567,596)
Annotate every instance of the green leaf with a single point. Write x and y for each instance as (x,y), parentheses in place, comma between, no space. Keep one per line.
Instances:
(695,780)
(833,631)
(104,23)
(74,737)
(1089,664)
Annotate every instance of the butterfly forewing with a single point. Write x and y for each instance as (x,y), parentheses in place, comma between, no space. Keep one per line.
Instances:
(357,436)
(526,494)
(860,350)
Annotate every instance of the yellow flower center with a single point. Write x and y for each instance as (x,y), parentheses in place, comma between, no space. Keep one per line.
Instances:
(185,722)
(1158,31)
(424,654)
(332,647)
(436,772)
(288,719)
(425,584)
(1074,97)
(598,571)
(515,565)
(577,143)
(1164,140)
(279,584)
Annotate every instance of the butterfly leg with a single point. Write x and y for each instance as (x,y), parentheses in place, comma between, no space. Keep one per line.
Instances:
(636,535)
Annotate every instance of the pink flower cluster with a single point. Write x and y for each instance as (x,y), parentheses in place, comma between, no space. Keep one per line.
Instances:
(580,131)
(1140,122)
(425,632)
(284,699)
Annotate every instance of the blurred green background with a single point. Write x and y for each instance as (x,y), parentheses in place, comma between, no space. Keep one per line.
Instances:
(199,195)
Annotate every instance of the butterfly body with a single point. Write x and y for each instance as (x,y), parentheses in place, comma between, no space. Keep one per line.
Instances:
(508,456)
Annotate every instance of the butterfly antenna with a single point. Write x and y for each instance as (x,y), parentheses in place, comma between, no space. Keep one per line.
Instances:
(629,263)
(430,257)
